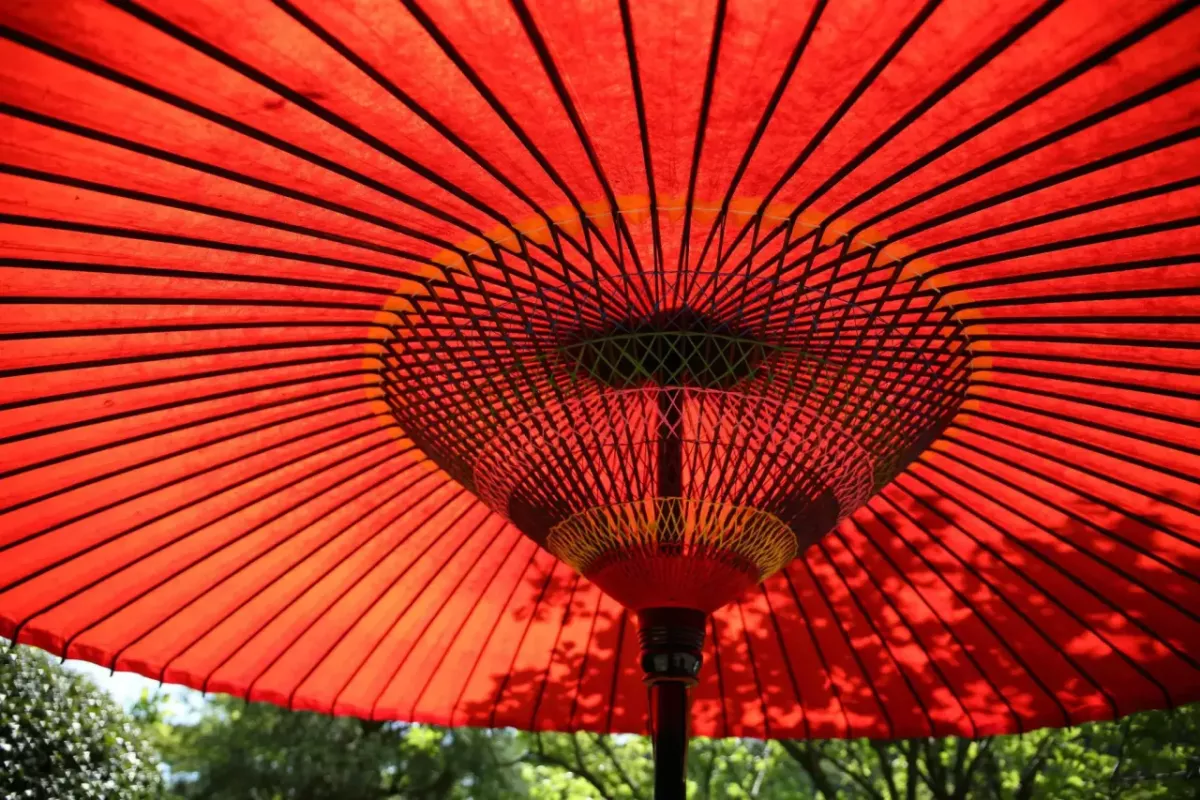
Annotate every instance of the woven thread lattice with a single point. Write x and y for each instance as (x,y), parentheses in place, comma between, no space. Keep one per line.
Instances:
(645,552)
(673,526)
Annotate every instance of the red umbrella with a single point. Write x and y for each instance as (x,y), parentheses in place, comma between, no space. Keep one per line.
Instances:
(851,348)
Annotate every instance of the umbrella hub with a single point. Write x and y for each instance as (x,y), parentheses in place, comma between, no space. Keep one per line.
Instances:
(675,435)
(673,552)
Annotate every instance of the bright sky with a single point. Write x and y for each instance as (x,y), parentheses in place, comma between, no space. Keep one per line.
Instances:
(127,687)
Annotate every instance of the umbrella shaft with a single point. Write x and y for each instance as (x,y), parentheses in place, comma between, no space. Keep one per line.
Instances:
(670,703)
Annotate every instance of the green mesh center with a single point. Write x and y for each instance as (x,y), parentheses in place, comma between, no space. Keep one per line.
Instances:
(681,352)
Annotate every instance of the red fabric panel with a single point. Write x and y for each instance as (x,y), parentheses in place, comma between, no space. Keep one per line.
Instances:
(519,692)
(816,696)
(367,694)
(310,625)
(200,645)
(784,713)
(445,680)
(741,695)
(709,715)
(629,699)
(593,702)
(522,610)
(555,704)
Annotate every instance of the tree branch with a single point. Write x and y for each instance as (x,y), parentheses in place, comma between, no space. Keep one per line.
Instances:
(603,743)
(1025,787)
(962,784)
(910,787)
(580,770)
(803,756)
(992,773)
(756,787)
(885,764)
(935,775)
(961,748)
(861,780)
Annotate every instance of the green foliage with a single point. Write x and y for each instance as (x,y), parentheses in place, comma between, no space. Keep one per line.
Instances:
(558,766)
(1149,756)
(61,737)
(256,751)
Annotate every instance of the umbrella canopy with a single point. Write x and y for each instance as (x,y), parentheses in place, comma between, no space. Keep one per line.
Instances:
(261,260)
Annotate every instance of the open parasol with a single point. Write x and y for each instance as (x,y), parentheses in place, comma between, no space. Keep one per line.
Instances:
(829,367)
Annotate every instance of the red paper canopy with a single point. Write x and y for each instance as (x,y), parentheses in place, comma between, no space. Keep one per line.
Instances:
(212,212)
